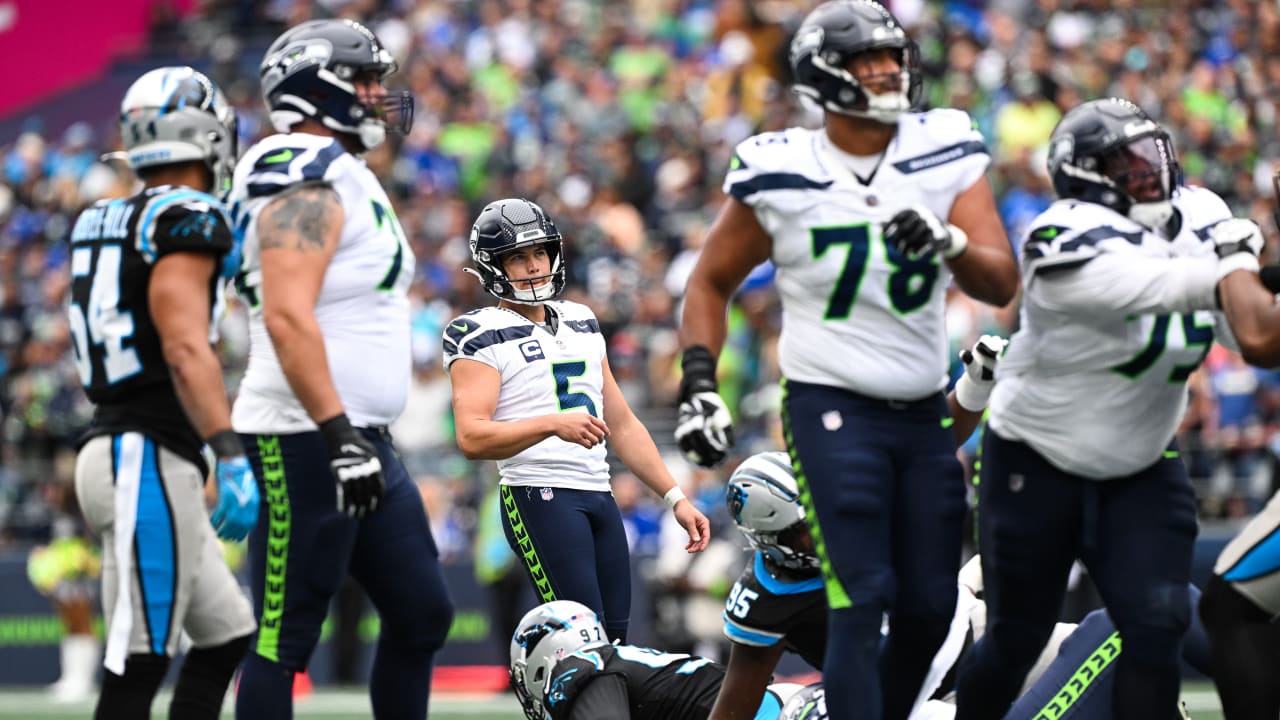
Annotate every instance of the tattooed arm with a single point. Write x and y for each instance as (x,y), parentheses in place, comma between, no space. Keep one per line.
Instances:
(298,234)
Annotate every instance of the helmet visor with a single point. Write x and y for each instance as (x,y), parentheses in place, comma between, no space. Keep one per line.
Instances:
(395,110)
(1143,168)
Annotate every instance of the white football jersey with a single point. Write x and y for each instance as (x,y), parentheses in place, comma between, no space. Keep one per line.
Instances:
(363,307)
(856,314)
(1114,319)
(543,373)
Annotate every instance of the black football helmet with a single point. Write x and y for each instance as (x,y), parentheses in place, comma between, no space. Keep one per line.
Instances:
(1112,153)
(309,72)
(827,41)
(511,224)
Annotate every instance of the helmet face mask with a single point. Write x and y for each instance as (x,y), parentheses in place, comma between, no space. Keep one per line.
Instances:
(176,114)
(830,42)
(764,500)
(509,225)
(809,703)
(1110,152)
(318,69)
(544,636)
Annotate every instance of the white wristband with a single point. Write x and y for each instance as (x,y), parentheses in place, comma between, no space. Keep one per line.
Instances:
(959,242)
(673,496)
(972,396)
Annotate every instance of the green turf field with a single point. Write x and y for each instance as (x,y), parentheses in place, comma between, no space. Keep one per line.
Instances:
(24,703)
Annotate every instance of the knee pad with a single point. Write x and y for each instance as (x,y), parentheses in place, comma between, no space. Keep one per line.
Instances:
(421,628)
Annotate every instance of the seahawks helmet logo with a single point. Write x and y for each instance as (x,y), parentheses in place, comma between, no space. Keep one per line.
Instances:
(807,41)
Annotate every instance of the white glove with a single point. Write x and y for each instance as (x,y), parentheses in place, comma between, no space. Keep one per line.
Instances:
(1238,242)
(974,387)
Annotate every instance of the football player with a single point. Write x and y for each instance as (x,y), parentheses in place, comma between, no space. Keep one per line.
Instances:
(326,275)
(868,221)
(778,604)
(1120,277)
(1241,604)
(563,667)
(533,390)
(146,293)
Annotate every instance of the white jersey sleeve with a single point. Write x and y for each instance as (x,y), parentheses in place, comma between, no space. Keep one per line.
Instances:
(542,373)
(363,306)
(877,315)
(1114,319)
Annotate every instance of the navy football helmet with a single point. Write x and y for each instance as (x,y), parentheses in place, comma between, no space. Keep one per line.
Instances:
(828,40)
(176,114)
(764,500)
(310,72)
(511,224)
(1112,153)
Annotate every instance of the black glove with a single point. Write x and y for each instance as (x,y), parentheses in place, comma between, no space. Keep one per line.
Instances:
(704,430)
(355,467)
(916,232)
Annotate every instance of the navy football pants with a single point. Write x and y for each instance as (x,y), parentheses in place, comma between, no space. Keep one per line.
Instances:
(1134,534)
(573,547)
(302,549)
(1079,683)
(884,497)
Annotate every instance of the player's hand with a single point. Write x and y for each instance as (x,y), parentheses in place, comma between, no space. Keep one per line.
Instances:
(236,512)
(974,387)
(1235,236)
(1237,242)
(704,430)
(917,231)
(580,428)
(355,467)
(694,523)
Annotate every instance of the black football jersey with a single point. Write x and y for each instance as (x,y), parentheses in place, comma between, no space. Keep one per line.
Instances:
(660,685)
(763,610)
(114,245)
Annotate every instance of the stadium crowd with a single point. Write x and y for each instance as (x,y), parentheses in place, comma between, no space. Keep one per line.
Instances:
(620,118)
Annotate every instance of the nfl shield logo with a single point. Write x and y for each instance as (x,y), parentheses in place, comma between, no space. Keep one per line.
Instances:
(832,420)
(547,494)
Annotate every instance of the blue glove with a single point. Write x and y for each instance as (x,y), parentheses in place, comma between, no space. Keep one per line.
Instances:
(237,510)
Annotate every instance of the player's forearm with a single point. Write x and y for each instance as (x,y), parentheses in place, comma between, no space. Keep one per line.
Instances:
(987,274)
(703,321)
(484,439)
(197,381)
(299,347)
(965,421)
(634,445)
(1254,316)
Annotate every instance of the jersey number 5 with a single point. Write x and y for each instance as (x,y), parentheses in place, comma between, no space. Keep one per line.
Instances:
(100,323)
(570,400)
(910,284)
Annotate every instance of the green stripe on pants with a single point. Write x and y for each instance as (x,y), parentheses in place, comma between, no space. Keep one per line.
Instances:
(278,520)
(527,552)
(1088,671)
(836,596)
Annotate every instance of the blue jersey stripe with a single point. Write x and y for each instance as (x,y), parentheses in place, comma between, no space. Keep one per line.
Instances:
(495,337)
(583,326)
(748,637)
(942,156)
(1262,559)
(774,181)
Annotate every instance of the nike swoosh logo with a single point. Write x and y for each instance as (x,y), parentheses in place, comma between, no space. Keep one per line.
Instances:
(284,155)
(459,328)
